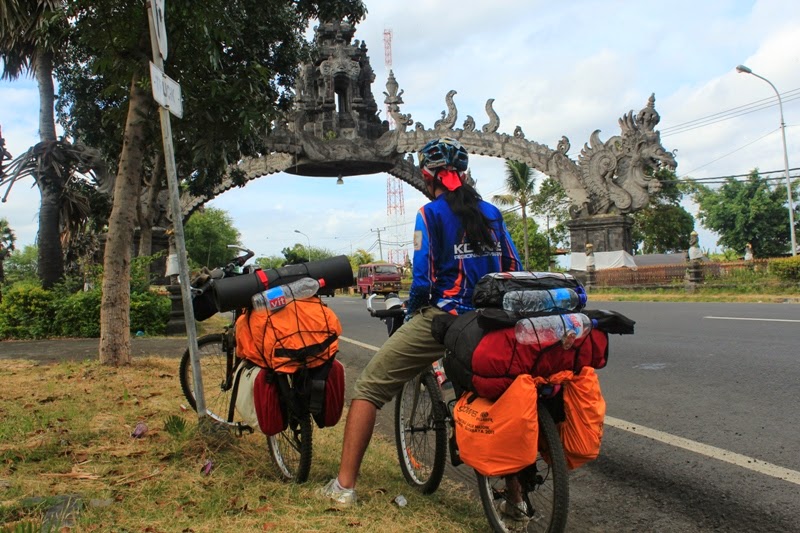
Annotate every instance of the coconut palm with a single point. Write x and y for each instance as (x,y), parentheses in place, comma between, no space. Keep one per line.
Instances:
(519,184)
(31,35)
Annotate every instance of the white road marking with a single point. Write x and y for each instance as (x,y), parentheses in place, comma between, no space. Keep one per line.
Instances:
(759,319)
(359,343)
(750,463)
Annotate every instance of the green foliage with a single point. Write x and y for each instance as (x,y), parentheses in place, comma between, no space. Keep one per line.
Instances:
(233,81)
(27,312)
(362,257)
(149,312)
(520,183)
(175,425)
(538,254)
(78,315)
(787,269)
(662,229)
(552,204)
(273,261)
(208,234)
(30,312)
(22,265)
(664,226)
(141,277)
(301,254)
(751,210)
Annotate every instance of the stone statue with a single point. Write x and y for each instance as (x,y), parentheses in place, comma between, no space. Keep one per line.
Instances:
(590,264)
(695,253)
(748,252)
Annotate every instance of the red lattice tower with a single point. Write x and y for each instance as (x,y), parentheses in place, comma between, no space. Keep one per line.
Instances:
(395,205)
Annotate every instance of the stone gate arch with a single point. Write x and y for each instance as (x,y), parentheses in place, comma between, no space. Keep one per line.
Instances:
(333,130)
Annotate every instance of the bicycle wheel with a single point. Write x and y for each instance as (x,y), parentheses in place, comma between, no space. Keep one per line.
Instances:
(544,488)
(420,432)
(292,448)
(216,367)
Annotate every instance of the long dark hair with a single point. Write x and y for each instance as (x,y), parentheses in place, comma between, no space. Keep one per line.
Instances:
(478,227)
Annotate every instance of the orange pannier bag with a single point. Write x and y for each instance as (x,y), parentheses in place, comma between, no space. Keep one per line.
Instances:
(499,437)
(584,410)
(302,334)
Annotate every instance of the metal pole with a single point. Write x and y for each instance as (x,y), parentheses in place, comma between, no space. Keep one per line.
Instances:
(309,243)
(746,70)
(180,242)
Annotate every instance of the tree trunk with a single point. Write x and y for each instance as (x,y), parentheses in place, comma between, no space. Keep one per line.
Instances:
(525,233)
(44,78)
(115,334)
(148,209)
(51,256)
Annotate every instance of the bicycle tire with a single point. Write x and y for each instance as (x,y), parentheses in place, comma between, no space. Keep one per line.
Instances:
(291,450)
(214,366)
(421,439)
(546,493)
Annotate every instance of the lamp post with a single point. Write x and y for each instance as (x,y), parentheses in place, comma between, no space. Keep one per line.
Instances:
(745,70)
(309,243)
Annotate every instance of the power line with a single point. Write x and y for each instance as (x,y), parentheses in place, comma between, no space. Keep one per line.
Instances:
(722,116)
(730,153)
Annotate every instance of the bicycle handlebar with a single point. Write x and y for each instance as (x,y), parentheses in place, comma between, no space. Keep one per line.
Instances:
(397,312)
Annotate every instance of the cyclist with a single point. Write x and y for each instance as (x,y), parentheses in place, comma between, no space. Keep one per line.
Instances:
(458,238)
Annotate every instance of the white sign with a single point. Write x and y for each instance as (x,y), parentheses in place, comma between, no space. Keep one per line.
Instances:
(160,26)
(166,91)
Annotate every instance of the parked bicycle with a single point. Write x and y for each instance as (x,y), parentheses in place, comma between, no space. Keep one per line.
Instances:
(290,450)
(424,429)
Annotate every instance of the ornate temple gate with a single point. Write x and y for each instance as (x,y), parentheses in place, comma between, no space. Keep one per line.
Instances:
(333,130)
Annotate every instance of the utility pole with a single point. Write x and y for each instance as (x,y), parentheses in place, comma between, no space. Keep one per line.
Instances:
(380,247)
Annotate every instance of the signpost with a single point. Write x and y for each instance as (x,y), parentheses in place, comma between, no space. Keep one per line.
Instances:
(167,93)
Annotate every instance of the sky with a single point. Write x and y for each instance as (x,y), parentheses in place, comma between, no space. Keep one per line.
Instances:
(552,68)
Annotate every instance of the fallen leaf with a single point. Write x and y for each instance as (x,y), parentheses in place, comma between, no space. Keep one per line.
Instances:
(264,509)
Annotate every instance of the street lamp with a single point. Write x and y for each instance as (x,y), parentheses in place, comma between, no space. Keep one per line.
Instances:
(309,243)
(745,70)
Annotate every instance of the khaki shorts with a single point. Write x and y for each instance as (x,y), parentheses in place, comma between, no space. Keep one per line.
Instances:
(405,354)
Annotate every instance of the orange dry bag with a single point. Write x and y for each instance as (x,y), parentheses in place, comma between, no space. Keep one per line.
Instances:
(499,437)
(584,410)
(302,334)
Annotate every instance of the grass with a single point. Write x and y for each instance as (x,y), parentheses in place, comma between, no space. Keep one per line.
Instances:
(709,294)
(67,430)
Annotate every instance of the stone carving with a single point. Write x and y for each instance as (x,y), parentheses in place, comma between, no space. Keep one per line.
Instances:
(695,252)
(334,130)
(447,122)
(494,120)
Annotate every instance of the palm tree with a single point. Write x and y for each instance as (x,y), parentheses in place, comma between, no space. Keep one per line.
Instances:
(31,35)
(519,184)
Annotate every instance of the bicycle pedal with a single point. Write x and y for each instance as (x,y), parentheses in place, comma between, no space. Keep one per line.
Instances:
(241,428)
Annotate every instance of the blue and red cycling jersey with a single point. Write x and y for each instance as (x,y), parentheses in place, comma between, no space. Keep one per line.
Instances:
(446,268)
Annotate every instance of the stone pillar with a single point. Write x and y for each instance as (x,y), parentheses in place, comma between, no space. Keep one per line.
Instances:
(694,267)
(591,278)
(608,233)
(177,321)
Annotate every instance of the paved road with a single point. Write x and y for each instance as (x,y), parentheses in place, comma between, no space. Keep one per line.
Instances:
(702,426)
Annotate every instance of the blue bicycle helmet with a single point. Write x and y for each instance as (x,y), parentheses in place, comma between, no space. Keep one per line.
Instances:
(443,153)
